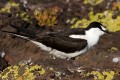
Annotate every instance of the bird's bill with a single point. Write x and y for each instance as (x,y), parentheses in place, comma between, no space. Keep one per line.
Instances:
(107,31)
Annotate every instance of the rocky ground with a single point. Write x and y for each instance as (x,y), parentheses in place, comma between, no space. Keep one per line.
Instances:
(99,58)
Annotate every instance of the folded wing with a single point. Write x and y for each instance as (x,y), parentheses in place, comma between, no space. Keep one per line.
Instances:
(64,44)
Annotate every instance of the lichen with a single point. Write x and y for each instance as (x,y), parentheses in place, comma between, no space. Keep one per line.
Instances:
(8,6)
(22,72)
(48,17)
(106,18)
(93,2)
(102,76)
(17,12)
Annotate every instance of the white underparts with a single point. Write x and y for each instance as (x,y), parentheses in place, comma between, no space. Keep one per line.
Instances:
(59,53)
(67,55)
(54,51)
(43,47)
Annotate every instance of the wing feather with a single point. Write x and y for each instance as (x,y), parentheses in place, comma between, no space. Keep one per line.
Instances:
(65,44)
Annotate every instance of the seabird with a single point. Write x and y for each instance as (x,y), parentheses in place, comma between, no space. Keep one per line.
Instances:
(69,43)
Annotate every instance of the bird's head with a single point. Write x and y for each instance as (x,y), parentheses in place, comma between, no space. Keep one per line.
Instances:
(97,28)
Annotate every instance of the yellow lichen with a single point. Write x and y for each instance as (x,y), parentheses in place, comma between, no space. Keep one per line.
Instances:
(93,2)
(22,14)
(102,76)
(42,71)
(114,48)
(22,72)
(8,6)
(106,18)
(109,75)
(25,16)
(51,69)
(46,18)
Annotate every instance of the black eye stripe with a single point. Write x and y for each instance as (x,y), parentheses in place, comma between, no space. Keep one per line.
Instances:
(96,25)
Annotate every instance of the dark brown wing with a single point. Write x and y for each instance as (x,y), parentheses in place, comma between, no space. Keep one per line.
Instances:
(64,44)
(67,32)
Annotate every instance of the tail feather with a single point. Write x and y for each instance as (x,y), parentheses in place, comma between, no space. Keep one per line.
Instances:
(27,36)
(24,36)
(27,32)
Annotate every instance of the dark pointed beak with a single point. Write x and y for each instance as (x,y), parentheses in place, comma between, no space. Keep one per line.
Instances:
(108,32)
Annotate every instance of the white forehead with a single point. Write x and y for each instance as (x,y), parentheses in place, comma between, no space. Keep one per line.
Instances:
(102,28)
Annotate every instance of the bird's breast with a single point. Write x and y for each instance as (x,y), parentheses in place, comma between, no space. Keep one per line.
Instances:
(92,41)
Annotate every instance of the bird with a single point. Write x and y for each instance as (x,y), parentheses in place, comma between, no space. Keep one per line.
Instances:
(69,43)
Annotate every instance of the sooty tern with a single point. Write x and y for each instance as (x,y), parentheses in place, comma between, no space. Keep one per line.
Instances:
(67,44)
